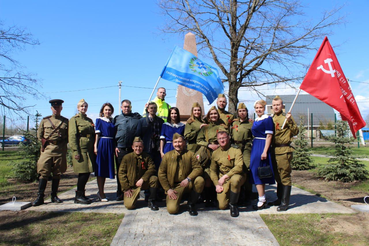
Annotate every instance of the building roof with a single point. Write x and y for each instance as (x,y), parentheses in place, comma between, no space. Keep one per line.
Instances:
(304,104)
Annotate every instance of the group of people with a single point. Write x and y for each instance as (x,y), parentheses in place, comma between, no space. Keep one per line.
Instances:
(216,158)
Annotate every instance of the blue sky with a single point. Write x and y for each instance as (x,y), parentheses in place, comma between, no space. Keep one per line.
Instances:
(87,47)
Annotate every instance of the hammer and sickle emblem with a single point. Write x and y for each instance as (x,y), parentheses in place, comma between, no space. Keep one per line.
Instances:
(331,70)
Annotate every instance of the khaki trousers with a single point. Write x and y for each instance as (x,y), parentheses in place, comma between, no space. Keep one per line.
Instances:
(130,202)
(197,185)
(284,169)
(233,184)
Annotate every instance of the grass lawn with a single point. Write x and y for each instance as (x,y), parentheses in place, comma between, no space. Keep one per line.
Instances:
(50,228)
(315,229)
(362,152)
(5,168)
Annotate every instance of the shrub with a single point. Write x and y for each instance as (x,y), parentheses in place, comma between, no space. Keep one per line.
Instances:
(344,166)
(301,156)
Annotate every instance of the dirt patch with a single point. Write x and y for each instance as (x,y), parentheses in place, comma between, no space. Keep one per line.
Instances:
(27,192)
(335,191)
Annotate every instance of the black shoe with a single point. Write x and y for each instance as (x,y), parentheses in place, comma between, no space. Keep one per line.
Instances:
(152,206)
(256,207)
(39,200)
(119,198)
(79,198)
(55,199)
(192,210)
(234,210)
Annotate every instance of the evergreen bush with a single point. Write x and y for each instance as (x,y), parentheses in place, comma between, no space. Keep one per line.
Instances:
(301,156)
(344,167)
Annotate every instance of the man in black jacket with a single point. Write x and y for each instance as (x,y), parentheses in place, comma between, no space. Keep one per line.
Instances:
(126,126)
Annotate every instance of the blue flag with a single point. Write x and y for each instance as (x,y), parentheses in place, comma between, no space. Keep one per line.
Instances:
(186,69)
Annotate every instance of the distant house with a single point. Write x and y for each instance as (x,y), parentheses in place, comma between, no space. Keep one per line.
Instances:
(305,106)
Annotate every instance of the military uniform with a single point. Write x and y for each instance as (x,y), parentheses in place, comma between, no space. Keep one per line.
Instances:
(53,135)
(54,157)
(81,142)
(133,168)
(174,168)
(228,161)
(283,157)
(242,137)
(226,117)
(282,149)
(192,129)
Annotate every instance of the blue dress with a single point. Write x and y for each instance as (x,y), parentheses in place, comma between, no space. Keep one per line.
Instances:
(167,132)
(105,148)
(261,127)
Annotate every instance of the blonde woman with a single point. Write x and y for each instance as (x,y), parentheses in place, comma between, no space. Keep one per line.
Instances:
(81,141)
(262,130)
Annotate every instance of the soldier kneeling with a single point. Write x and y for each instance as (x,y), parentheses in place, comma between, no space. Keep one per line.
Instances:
(136,172)
(227,174)
(180,173)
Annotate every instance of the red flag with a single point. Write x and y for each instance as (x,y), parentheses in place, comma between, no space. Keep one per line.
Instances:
(325,80)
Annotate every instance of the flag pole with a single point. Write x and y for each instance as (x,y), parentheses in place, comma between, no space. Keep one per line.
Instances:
(157,82)
(293,103)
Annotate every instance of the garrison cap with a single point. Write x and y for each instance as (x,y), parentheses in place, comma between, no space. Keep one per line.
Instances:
(177,135)
(56,102)
(196,104)
(137,139)
(241,106)
(221,95)
(212,108)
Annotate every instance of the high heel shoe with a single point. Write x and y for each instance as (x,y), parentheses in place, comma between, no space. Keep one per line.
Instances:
(102,199)
(264,205)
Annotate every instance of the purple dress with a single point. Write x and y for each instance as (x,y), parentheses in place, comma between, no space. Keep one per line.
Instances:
(105,148)
(167,132)
(261,127)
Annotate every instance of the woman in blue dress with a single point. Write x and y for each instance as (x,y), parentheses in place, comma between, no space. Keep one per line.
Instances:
(262,130)
(168,129)
(104,148)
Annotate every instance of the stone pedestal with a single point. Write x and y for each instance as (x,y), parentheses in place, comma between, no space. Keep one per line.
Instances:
(186,96)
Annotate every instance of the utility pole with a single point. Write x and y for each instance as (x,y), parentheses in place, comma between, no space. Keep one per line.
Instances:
(120,92)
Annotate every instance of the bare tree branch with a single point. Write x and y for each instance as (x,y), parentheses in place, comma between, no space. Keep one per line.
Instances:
(249,39)
(15,84)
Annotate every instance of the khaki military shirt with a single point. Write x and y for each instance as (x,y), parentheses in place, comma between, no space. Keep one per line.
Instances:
(58,139)
(182,165)
(81,134)
(191,131)
(226,117)
(283,136)
(135,167)
(241,134)
(225,162)
(208,134)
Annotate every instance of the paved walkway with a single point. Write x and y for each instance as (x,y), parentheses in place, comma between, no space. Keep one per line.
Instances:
(211,227)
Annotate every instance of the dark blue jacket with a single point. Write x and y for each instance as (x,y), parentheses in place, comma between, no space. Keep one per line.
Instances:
(126,127)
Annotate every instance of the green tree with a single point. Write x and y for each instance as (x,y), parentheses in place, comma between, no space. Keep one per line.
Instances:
(302,156)
(26,170)
(253,42)
(343,166)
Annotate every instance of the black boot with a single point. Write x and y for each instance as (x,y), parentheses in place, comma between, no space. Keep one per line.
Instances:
(192,203)
(285,198)
(151,201)
(54,190)
(233,200)
(279,196)
(80,198)
(208,194)
(41,193)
